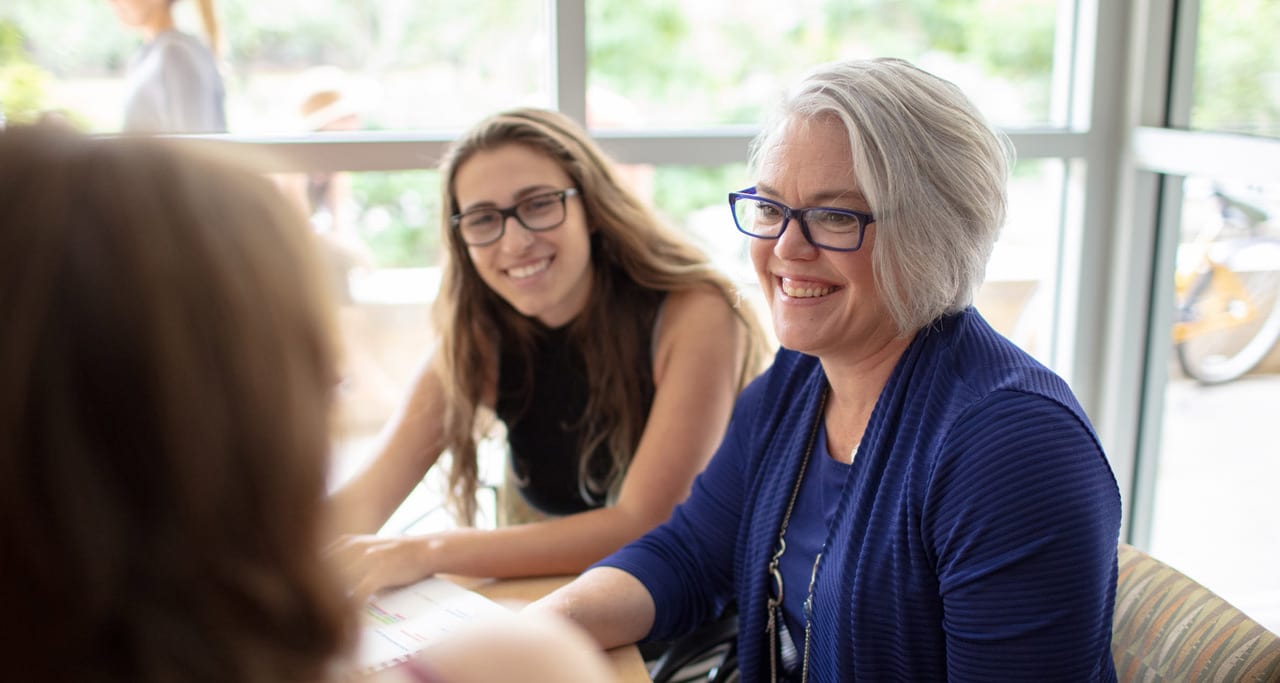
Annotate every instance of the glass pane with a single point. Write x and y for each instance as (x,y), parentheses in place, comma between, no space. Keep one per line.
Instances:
(1018,295)
(380,238)
(662,63)
(1237,74)
(291,66)
(1214,515)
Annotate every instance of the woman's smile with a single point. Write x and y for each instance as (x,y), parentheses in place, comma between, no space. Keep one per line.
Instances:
(528,270)
(804,289)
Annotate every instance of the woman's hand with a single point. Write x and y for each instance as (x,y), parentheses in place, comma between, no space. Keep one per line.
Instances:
(370,563)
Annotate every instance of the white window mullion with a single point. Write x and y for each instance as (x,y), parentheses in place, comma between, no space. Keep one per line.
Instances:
(569,57)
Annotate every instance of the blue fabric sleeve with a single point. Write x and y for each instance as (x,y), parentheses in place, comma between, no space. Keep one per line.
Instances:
(687,564)
(1023,516)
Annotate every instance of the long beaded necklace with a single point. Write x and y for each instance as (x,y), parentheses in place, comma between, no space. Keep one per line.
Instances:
(775,622)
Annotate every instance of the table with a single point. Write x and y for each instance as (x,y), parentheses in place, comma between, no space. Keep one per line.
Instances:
(626,660)
(515,593)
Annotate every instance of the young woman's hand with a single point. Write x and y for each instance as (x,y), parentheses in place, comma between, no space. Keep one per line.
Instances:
(370,563)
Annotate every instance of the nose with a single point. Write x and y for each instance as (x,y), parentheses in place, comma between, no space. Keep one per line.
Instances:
(515,237)
(792,244)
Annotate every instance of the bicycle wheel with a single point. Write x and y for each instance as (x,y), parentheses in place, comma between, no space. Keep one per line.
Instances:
(1238,311)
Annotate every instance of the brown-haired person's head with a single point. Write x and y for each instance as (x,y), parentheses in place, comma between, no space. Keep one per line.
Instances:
(165,384)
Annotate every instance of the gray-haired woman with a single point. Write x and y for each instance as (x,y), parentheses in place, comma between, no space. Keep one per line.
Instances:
(905,494)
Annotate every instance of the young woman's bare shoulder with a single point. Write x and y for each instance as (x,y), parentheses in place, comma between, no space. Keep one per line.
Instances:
(702,308)
(696,323)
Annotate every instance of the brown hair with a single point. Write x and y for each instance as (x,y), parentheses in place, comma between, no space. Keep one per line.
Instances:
(165,383)
(633,255)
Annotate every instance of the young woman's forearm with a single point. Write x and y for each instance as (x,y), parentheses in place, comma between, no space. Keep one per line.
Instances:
(567,545)
(410,444)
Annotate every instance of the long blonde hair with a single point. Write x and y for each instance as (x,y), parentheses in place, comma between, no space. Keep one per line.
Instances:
(212,30)
(633,255)
(166,373)
(208,21)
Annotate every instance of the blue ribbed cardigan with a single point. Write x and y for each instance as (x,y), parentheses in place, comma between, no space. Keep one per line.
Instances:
(975,539)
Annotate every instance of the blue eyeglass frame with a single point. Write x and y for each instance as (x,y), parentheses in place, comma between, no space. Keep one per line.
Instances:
(864,219)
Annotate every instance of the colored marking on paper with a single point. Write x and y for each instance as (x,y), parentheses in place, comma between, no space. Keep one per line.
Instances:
(382,616)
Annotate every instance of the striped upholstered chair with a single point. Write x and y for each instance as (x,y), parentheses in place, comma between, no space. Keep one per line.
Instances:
(1170,628)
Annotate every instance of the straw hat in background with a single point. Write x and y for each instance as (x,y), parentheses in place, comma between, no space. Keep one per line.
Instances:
(331,99)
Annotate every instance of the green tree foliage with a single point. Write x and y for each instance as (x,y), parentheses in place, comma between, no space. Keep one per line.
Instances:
(681,190)
(1237,76)
(71,39)
(399,216)
(681,63)
(722,62)
(23,85)
(639,46)
(11,49)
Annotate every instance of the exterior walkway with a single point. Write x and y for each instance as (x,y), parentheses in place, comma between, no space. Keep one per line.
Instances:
(1217,515)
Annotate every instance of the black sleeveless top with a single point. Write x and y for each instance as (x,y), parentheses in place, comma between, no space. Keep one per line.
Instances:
(544,421)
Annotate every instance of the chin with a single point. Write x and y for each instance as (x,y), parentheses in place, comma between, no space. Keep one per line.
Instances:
(793,340)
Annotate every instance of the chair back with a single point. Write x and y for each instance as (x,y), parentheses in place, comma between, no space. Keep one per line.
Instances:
(1169,628)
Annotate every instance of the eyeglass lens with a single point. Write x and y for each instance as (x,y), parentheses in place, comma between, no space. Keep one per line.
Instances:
(826,227)
(540,212)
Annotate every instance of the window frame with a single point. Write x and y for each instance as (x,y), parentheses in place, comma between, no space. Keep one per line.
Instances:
(1121,88)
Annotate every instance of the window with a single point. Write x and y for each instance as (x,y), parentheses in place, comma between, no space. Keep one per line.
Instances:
(396,65)
(1204,199)
(1212,516)
(1237,70)
(672,88)
(661,63)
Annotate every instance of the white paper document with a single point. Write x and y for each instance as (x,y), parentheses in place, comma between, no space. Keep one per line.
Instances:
(397,624)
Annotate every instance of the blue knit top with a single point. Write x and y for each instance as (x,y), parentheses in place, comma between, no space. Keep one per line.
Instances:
(975,540)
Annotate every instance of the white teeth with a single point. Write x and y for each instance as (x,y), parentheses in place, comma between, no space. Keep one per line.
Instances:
(531,269)
(805,292)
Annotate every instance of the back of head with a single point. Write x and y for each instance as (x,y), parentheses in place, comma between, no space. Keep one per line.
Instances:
(930,166)
(165,376)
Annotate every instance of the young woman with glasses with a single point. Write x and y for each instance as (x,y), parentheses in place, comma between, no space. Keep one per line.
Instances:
(605,343)
(904,495)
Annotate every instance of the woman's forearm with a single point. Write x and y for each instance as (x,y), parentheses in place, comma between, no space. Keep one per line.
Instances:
(410,444)
(566,545)
(612,605)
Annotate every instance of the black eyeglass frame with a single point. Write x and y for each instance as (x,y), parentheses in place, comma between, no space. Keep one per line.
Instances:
(864,219)
(513,211)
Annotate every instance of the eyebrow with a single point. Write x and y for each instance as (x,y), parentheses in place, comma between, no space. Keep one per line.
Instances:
(521,195)
(821,197)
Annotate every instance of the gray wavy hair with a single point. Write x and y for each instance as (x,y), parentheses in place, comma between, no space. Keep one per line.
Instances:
(930,166)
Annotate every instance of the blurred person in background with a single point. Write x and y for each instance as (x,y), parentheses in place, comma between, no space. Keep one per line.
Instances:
(166,376)
(173,84)
(606,344)
(329,100)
